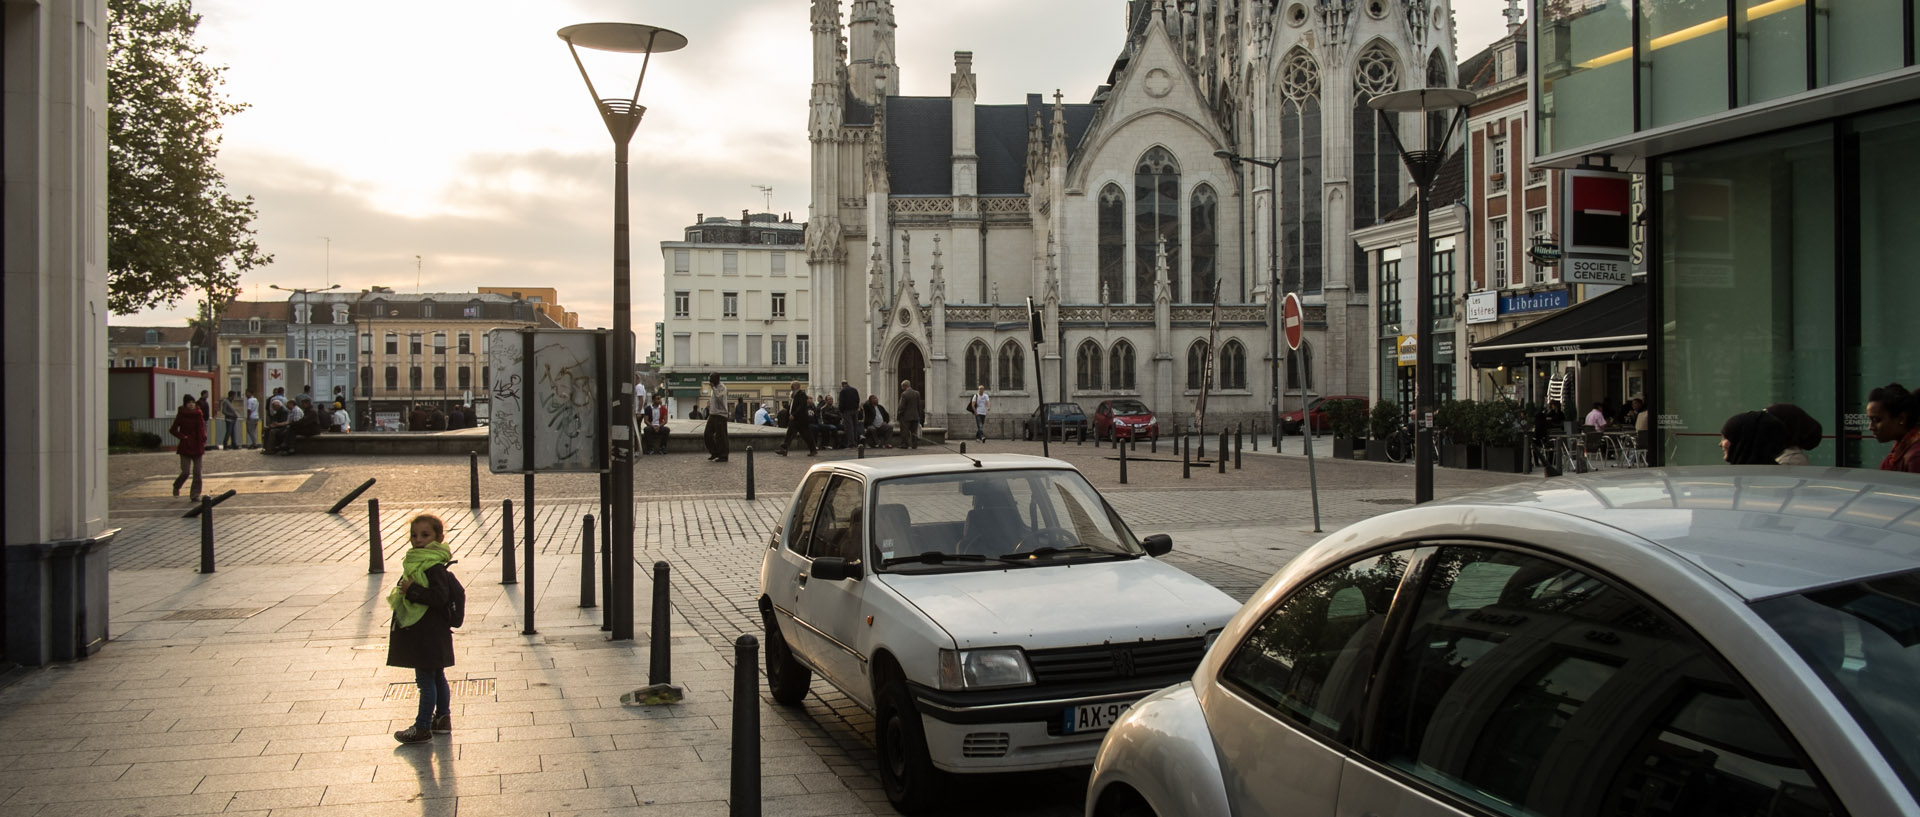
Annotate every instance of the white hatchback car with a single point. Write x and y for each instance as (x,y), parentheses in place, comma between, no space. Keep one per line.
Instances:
(1696,641)
(993,613)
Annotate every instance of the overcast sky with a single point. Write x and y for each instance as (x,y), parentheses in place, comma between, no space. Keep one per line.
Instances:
(441,145)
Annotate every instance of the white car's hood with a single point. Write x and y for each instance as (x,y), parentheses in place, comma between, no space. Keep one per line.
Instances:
(1068,604)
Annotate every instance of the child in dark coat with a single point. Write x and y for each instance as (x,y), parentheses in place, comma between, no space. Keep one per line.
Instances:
(422,638)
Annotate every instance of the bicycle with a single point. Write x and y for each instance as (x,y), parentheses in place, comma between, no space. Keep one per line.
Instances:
(1401,442)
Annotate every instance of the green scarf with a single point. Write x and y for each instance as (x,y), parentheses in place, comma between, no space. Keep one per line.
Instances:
(414,567)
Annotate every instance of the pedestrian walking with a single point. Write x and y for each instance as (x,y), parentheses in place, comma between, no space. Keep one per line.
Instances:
(1892,412)
(1803,432)
(422,636)
(190,428)
(231,410)
(911,415)
(253,420)
(978,406)
(716,433)
(849,405)
(799,421)
(1752,438)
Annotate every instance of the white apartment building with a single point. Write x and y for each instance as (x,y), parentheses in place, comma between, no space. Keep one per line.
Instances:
(737,298)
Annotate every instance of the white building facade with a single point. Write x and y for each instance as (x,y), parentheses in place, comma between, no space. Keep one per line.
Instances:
(738,299)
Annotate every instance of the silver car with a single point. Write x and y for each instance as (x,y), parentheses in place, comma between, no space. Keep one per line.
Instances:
(1698,641)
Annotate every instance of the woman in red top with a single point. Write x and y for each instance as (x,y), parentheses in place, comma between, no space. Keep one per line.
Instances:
(1891,414)
(190,428)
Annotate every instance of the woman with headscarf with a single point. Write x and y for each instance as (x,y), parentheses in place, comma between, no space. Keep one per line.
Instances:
(1752,438)
(1803,432)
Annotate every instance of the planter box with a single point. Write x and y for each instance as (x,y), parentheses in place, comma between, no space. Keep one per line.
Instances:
(1377,451)
(1344,447)
(1458,455)
(1506,459)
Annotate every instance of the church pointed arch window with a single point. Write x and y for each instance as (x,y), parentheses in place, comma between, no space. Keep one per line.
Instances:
(1120,367)
(979,366)
(1300,172)
(1376,162)
(1437,78)
(1088,365)
(1205,214)
(1013,367)
(1156,217)
(1113,244)
(1233,365)
(1196,365)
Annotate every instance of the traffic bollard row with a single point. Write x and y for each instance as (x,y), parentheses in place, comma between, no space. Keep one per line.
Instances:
(586,561)
(743,791)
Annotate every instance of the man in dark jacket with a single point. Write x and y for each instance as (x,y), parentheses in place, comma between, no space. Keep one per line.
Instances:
(876,423)
(849,400)
(911,415)
(800,421)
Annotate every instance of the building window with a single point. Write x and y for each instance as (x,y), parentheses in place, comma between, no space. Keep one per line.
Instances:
(413,344)
(1497,164)
(379,309)
(1196,365)
(1389,290)
(152,361)
(253,353)
(1087,366)
(769,238)
(729,304)
(253,326)
(1013,367)
(693,236)
(1443,286)
(393,378)
(173,361)
(730,262)
(753,350)
(440,378)
(1497,253)
(779,264)
(682,303)
(233,355)
(779,306)
(466,344)
(1233,366)
(1120,367)
(1156,215)
(1205,213)
(340,314)
(979,367)
(1300,367)
(393,344)
(779,351)
(473,309)
(683,349)
(1536,176)
(413,378)
(729,350)
(1113,244)
(439,343)
(466,378)
(682,262)
(273,351)
(800,350)
(302,313)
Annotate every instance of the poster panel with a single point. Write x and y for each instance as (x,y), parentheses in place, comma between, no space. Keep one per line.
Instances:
(548,414)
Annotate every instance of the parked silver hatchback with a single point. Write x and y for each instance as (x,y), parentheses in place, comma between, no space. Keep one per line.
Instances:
(1696,641)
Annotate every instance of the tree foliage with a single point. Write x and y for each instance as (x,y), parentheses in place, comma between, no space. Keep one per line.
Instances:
(171,225)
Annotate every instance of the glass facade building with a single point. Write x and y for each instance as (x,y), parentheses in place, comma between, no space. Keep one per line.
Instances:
(1781,144)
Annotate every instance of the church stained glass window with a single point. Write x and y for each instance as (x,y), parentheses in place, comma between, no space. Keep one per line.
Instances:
(1376,162)
(1013,364)
(1088,366)
(979,364)
(1300,172)
(1156,213)
(1206,217)
(1120,367)
(1113,244)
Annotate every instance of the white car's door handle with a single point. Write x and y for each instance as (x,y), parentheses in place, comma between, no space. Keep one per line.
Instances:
(800,579)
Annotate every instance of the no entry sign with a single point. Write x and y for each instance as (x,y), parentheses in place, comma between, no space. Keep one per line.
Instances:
(1290,320)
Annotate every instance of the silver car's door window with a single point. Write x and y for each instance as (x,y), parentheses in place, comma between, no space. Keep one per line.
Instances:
(1530,687)
(804,508)
(840,528)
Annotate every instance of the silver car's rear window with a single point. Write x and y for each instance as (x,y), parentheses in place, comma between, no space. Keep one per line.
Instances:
(1863,639)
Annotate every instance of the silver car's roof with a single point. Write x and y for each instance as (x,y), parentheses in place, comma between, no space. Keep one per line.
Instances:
(1763,531)
(941,463)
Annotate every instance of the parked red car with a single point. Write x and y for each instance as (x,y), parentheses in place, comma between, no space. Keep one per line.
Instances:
(1290,421)
(1125,419)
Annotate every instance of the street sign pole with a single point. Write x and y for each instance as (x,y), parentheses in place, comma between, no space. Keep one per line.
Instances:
(1291,323)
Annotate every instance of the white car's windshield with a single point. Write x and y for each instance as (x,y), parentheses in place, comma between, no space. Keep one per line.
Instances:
(994,518)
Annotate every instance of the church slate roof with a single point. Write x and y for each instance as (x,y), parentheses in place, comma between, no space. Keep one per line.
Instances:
(920,142)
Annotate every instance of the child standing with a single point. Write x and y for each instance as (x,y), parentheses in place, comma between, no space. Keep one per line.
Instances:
(422,637)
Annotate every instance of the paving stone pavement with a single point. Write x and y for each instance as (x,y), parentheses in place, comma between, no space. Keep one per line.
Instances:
(289,709)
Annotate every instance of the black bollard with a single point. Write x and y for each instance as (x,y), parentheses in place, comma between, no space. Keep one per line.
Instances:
(1255,437)
(1123,465)
(473,480)
(743,794)
(660,661)
(376,556)
(606,577)
(506,542)
(1202,437)
(586,561)
(860,452)
(1186,465)
(206,534)
(1237,444)
(351,496)
(749,473)
(963,446)
(1083,433)
(1223,451)
(1154,446)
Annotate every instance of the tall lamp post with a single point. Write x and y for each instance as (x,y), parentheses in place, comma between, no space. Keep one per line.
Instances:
(622,118)
(1423,164)
(306,326)
(1273,281)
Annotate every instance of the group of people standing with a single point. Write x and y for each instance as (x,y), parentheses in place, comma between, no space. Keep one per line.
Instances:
(843,420)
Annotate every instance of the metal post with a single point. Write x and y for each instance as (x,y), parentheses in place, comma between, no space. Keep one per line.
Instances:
(506,542)
(1153,447)
(532,589)
(1202,437)
(963,446)
(1186,465)
(860,451)
(206,534)
(606,579)
(749,473)
(1237,443)
(586,561)
(1123,465)
(473,480)
(1223,451)
(660,659)
(376,558)
(743,793)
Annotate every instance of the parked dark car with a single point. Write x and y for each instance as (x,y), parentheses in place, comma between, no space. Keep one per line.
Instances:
(1290,421)
(1065,418)
(1124,419)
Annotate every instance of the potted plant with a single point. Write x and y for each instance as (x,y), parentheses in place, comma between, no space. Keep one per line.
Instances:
(1506,423)
(1459,420)
(1349,424)
(1381,423)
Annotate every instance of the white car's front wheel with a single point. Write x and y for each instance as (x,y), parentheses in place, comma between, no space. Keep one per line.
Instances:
(906,771)
(787,678)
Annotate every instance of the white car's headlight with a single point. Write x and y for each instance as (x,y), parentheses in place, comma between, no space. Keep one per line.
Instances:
(984,669)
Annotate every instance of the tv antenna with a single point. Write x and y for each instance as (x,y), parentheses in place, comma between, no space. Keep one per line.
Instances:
(767,191)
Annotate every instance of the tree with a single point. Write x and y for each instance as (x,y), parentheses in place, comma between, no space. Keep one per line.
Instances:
(171,224)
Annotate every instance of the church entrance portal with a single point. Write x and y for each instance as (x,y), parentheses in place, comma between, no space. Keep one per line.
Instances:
(911,367)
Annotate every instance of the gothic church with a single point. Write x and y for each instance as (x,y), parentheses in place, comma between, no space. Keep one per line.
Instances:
(934,219)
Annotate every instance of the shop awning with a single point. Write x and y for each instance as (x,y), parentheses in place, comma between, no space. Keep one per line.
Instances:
(1607,327)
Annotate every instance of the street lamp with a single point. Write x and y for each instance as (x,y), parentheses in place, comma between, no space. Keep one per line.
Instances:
(306,326)
(1424,164)
(622,118)
(1273,283)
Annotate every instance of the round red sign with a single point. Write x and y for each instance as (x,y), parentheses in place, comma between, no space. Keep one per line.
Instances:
(1290,322)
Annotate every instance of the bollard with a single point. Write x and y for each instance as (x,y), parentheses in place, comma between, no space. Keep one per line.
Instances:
(1123,465)
(586,561)
(860,452)
(963,446)
(1255,437)
(1186,465)
(1083,434)
(206,534)
(660,661)
(351,496)
(743,794)
(606,576)
(1154,446)
(1237,443)
(1202,437)
(506,542)
(376,557)
(196,509)
(749,473)
(473,480)
(1223,451)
